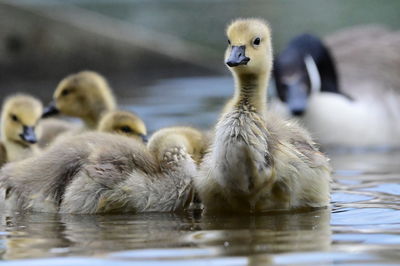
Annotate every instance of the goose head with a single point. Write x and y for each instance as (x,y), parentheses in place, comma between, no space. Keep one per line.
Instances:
(249,47)
(304,68)
(84,95)
(124,123)
(20,116)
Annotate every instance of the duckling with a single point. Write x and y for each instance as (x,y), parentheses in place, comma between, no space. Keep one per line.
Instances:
(84,95)
(259,162)
(343,89)
(19,134)
(99,172)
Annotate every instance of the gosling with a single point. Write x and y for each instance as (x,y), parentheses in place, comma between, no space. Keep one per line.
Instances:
(136,179)
(102,173)
(257,161)
(116,122)
(85,95)
(19,134)
(123,123)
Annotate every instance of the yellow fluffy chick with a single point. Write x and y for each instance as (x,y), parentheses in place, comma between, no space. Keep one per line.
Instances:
(19,118)
(117,122)
(85,95)
(259,162)
(123,123)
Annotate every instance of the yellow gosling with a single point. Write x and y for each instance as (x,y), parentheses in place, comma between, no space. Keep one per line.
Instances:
(259,162)
(85,95)
(123,123)
(19,134)
(99,172)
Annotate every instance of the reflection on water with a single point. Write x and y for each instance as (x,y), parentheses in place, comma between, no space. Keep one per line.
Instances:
(43,235)
(362,226)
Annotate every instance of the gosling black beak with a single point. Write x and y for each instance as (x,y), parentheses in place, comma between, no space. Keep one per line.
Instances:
(144,138)
(50,110)
(238,56)
(28,135)
(297,100)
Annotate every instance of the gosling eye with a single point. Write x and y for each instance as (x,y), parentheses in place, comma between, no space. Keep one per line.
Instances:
(257,41)
(229,42)
(65,92)
(14,118)
(126,129)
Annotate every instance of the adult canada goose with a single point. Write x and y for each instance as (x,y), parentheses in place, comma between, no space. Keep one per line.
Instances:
(101,173)
(338,109)
(257,161)
(19,118)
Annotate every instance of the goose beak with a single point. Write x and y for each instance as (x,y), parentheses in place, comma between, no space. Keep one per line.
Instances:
(237,57)
(28,135)
(50,110)
(144,138)
(296,100)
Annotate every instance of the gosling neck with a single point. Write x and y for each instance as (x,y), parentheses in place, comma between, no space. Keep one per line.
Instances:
(98,107)
(251,91)
(3,136)
(92,120)
(17,151)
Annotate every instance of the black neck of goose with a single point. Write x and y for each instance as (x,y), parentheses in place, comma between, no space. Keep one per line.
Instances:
(251,92)
(329,83)
(329,79)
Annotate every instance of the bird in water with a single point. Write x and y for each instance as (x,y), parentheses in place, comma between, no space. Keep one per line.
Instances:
(257,161)
(340,102)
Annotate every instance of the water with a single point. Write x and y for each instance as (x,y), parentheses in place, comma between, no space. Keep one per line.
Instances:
(361,227)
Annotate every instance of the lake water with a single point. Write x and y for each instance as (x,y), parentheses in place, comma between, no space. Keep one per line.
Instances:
(361,227)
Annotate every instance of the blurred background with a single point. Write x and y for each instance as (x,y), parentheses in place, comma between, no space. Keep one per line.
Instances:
(155,53)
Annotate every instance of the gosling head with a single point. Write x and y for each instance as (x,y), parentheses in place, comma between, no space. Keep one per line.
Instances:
(124,123)
(20,115)
(85,95)
(249,47)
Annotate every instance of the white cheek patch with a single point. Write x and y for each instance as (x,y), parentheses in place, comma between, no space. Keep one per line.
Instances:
(313,74)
